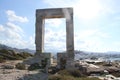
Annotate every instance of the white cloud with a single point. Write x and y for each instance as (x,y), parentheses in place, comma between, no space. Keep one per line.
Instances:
(54,40)
(11,34)
(91,40)
(90,33)
(13,17)
(59,3)
(103,35)
(88,39)
(31,42)
(1,28)
(87,33)
(53,22)
(12,31)
(19,43)
(85,9)
(116,45)
(14,27)
(14,36)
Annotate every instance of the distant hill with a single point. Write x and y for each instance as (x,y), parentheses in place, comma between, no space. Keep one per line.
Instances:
(9,53)
(12,55)
(85,54)
(78,54)
(2,46)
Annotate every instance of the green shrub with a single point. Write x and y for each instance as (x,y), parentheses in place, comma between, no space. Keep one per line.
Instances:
(8,66)
(58,77)
(107,65)
(74,73)
(100,63)
(24,55)
(20,66)
(2,59)
(85,78)
(18,57)
(116,74)
(64,72)
(12,55)
(34,66)
(70,75)
(4,51)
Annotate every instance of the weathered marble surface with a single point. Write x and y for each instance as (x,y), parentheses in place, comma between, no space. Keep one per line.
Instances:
(41,15)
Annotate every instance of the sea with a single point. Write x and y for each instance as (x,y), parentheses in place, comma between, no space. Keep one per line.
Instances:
(112,59)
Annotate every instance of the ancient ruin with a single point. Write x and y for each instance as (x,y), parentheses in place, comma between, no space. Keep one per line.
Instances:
(41,15)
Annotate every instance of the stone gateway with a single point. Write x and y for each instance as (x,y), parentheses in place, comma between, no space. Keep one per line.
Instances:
(41,15)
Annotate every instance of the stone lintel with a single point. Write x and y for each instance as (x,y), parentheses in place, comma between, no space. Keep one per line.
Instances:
(54,13)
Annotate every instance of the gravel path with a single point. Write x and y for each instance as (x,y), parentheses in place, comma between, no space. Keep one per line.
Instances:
(14,74)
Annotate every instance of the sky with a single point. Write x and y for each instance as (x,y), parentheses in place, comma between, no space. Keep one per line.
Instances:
(96,24)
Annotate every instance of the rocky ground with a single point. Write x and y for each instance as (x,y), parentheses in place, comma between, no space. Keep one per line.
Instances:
(15,74)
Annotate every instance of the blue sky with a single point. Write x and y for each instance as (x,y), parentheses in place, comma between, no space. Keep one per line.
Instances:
(96,24)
